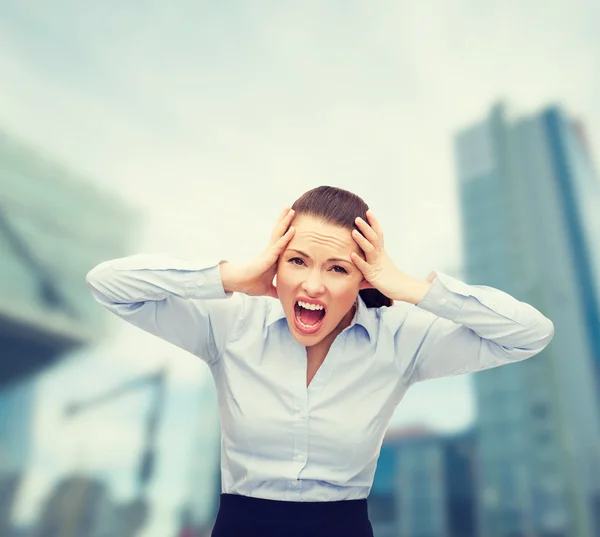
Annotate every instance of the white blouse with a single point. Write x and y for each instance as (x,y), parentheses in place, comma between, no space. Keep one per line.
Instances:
(280,439)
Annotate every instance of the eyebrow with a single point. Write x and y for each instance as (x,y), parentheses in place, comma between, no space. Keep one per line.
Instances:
(338,259)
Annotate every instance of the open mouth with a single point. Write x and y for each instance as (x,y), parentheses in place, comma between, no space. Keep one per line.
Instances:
(308,317)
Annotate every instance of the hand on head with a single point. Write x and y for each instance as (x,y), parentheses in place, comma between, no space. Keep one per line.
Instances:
(378,269)
(255,278)
(370,241)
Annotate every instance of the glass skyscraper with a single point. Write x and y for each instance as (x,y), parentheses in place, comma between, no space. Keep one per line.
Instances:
(423,485)
(54,227)
(530,207)
(204,485)
(16,443)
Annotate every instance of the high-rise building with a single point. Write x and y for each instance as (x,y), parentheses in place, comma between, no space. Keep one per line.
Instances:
(424,485)
(383,509)
(204,485)
(77,506)
(16,443)
(16,417)
(54,227)
(530,207)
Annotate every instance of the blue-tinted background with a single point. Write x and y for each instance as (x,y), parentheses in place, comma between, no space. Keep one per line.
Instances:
(132,127)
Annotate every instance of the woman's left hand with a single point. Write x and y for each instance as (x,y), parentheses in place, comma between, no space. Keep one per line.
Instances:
(378,269)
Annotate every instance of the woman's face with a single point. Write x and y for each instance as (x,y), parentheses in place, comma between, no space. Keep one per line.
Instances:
(315,271)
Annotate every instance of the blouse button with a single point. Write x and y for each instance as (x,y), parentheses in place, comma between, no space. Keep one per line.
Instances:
(443,301)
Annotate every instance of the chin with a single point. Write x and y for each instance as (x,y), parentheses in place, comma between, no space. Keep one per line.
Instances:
(307,341)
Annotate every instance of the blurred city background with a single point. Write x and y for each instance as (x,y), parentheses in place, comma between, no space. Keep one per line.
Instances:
(472,129)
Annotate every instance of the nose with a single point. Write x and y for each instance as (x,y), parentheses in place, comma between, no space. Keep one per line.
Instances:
(313,285)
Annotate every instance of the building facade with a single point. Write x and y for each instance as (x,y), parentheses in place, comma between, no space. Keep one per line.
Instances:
(424,485)
(527,191)
(54,227)
(200,507)
(17,404)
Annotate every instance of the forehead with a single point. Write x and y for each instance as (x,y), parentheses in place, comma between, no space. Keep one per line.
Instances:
(318,235)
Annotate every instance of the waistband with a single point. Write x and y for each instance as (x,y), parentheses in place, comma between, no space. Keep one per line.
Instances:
(252,508)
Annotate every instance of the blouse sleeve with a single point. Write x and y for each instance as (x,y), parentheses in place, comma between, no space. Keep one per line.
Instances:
(178,300)
(458,328)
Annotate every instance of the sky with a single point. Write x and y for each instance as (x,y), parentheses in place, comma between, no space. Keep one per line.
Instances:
(209,117)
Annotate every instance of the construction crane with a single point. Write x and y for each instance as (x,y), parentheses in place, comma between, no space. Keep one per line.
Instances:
(132,516)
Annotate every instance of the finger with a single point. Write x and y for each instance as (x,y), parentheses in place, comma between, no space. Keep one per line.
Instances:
(284,240)
(375,225)
(432,276)
(367,231)
(364,244)
(282,225)
(359,262)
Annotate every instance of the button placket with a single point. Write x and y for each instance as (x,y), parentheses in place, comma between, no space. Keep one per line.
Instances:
(301,435)
(333,357)
(300,416)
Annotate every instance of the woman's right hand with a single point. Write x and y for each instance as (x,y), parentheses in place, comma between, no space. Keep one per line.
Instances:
(255,278)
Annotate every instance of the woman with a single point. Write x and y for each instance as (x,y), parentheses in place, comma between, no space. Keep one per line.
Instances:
(307,383)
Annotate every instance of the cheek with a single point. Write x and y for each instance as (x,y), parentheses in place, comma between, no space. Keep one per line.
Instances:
(284,279)
(345,292)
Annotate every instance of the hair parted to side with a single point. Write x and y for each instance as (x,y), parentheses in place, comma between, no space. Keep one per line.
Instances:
(339,207)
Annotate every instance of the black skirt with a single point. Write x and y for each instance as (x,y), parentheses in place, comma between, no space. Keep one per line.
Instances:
(241,516)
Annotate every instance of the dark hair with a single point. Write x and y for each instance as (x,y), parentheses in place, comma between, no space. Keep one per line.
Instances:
(339,207)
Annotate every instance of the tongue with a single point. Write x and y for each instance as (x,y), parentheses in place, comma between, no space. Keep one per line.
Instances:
(311,317)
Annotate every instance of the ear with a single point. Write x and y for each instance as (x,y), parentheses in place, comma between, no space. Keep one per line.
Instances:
(365,285)
(273,291)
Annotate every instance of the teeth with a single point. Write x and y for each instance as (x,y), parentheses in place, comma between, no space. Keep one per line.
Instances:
(308,306)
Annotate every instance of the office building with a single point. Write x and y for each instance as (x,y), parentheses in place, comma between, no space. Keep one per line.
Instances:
(54,227)
(424,485)
(16,420)
(198,513)
(530,223)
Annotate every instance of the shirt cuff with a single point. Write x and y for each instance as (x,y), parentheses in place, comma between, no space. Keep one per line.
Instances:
(206,283)
(445,297)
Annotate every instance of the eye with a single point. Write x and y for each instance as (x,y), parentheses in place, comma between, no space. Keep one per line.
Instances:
(340,270)
(296,261)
